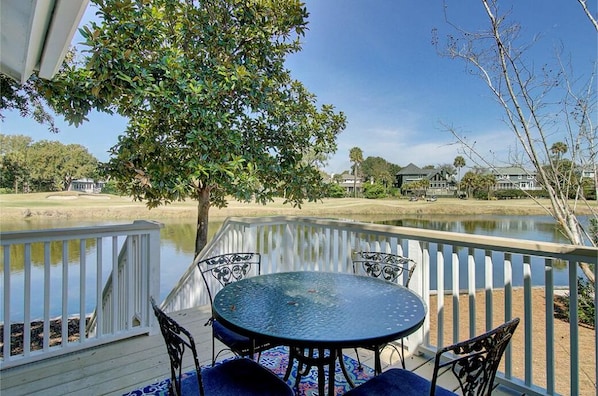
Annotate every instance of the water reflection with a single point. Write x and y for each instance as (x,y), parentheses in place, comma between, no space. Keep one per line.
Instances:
(537,228)
(56,249)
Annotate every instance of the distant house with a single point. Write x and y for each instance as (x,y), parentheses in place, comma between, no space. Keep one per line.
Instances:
(587,172)
(514,177)
(346,182)
(87,185)
(440,182)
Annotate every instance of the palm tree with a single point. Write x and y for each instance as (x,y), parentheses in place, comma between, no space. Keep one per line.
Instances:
(558,149)
(459,163)
(356,156)
(487,183)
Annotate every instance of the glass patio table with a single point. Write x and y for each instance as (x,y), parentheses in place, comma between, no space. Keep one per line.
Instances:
(322,311)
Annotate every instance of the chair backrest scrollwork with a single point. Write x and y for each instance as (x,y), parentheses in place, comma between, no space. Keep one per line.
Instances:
(387,266)
(228,268)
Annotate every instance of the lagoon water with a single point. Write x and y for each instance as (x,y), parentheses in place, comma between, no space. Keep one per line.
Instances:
(178,238)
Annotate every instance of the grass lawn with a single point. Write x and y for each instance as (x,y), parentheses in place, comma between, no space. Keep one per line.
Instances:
(104,206)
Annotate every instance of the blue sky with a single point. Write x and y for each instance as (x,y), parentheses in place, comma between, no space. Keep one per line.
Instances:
(374,61)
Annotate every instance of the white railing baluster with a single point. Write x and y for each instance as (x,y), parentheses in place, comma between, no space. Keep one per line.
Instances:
(334,260)
(550,356)
(64,331)
(6,319)
(508,302)
(471,289)
(489,288)
(27,303)
(99,287)
(82,289)
(325,258)
(127,292)
(573,327)
(115,296)
(528,315)
(47,266)
(424,285)
(455,291)
(440,260)
(142,300)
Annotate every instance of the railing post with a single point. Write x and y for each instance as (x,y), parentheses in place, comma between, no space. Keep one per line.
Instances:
(153,277)
(416,253)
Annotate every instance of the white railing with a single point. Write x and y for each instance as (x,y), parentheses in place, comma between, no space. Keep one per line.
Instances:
(69,269)
(455,274)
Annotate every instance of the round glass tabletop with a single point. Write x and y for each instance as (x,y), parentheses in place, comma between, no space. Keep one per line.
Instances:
(320,309)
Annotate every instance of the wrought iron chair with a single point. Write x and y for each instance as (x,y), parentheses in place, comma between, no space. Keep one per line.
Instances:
(219,271)
(389,267)
(473,362)
(232,377)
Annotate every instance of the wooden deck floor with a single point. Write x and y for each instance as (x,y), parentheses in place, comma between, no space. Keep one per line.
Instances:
(123,366)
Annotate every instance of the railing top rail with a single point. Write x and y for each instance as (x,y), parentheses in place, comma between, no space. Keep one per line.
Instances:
(551,249)
(11,237)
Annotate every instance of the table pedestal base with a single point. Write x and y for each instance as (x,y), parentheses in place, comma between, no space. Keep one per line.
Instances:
(317,357)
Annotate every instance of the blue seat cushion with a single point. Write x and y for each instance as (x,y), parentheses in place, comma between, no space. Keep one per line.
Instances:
(189,385)
(236,341)
(243,376)
(230,338)
(397,382)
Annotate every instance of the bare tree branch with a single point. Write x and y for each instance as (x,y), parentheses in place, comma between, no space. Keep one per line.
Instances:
(591,17)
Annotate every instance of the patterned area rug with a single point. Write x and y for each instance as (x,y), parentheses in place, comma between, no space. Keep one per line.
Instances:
(276,360)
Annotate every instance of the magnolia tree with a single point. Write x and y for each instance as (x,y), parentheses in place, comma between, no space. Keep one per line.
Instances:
(542,106)
(213,112)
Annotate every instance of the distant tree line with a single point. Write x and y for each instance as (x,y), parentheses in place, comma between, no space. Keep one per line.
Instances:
(27,166)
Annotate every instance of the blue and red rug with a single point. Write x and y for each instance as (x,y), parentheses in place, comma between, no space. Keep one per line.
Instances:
(276,360)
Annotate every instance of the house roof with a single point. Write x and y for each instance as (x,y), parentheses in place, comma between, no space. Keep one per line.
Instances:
(510,170)
(411,169)
(35,35)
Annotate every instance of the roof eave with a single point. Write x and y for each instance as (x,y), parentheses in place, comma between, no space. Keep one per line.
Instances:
(36,34)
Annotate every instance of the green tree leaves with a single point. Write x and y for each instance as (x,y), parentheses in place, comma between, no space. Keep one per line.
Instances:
(27,99)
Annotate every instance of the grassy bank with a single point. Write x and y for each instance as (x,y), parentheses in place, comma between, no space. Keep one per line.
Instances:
(111,207)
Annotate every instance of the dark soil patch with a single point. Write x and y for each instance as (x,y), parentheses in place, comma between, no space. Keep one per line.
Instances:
(17,336)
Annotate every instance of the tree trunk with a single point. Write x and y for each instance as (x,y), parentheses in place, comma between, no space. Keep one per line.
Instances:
(355,180)
(203,208)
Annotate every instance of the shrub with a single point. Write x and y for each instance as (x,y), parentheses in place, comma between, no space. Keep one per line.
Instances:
(335,191)
(374,191)
(110,188)
(585,308)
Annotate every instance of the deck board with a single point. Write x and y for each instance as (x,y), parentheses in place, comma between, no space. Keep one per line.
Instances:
(122,366)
